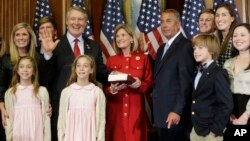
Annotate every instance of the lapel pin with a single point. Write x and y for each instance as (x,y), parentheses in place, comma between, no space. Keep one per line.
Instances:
(88,47)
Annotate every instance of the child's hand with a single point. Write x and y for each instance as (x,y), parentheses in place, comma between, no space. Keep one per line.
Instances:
(232,118)
(49,111)
(242,120)
(3,114)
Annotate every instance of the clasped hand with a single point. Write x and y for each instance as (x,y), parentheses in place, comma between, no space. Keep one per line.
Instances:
(114,88)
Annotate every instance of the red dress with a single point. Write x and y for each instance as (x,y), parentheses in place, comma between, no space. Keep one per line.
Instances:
(126,116)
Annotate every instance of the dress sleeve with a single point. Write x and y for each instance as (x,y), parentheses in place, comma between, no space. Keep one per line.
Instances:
(45,104)
(9,109)
(62,115)
(100,115)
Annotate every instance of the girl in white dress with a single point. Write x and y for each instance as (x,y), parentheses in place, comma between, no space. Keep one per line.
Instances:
(82,104)
(26,104)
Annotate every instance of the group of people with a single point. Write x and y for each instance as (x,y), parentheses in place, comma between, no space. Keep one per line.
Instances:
(59,89)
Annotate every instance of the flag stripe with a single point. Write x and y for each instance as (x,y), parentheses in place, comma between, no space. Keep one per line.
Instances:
(107,49)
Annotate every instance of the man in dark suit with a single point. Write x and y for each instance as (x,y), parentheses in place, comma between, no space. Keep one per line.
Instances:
(173,71)
(58,57)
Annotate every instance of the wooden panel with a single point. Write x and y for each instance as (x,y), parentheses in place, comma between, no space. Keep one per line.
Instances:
(13,12)
(97,15)
(175,4)
(57,8)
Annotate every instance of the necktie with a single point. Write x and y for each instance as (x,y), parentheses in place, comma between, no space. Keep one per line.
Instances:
(201,67)
(165,50)
(76,48)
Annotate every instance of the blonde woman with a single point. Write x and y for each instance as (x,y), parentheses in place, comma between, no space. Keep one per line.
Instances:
(22,43)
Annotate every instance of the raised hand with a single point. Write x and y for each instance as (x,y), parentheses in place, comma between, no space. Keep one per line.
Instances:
(142,43)
(48,41)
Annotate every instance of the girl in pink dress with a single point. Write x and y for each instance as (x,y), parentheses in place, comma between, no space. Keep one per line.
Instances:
(82,104)
(26,104)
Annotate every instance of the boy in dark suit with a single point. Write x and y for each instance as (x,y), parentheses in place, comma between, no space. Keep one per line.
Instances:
(212,101)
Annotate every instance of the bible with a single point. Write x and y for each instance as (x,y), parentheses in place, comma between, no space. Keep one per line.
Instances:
(121,78)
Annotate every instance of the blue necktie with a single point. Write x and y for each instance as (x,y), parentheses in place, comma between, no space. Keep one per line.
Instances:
(165,50)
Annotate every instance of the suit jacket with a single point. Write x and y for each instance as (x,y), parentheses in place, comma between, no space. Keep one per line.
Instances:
(57,69)
(173,80)
(212,101)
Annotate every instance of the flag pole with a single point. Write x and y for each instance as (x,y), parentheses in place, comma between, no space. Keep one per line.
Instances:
(63,16)
(209,4)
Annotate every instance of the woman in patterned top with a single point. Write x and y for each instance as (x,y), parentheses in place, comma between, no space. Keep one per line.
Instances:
(225,20)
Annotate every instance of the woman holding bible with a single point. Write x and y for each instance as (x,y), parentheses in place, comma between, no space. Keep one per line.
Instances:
(126,115)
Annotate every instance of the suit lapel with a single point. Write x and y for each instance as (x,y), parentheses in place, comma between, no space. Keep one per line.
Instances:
(173,47)
(205,75)
(65,46)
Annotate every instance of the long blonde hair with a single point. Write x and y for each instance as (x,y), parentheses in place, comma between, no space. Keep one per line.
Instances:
(16,78)
(92,76)
(14,54)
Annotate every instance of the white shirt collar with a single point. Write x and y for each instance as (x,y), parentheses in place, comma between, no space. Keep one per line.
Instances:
(208,63)
(72,38)
(170,41)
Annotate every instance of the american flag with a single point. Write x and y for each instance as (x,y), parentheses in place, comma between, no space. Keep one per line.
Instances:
(88,31)
(190,14)
(148,23)
(42,10)
(232,3)
(112,17)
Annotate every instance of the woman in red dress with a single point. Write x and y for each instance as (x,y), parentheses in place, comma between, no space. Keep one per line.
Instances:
(126,116)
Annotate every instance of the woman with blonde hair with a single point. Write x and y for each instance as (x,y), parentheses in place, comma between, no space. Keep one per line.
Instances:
(22,43)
